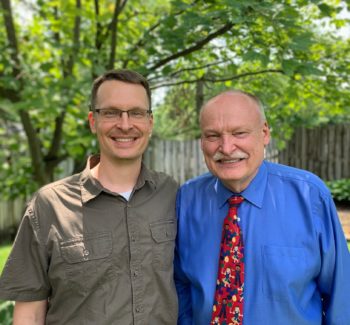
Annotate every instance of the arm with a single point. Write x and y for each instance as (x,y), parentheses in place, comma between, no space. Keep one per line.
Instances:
(335,270)
(30,313)
(181,282)
(183,293)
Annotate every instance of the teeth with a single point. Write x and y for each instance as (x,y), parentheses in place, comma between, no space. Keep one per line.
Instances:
(123,139)
(230,161)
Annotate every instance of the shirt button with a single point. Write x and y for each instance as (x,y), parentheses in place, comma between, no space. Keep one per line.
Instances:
(138,309)
(86,252)
(135,274)
(133,238)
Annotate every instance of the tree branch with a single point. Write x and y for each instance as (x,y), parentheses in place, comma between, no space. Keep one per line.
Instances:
(119,6)
(11,36)
(214,80)
(177,72)
(52,155)
(33,140)
(142,40)
(197,46)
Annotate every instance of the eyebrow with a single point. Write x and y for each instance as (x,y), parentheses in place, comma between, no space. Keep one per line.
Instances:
(120,109)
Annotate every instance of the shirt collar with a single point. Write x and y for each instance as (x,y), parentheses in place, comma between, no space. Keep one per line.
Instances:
(90,187)
(254,193)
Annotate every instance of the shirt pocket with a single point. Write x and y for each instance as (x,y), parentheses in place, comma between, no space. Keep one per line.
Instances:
(87,260)
(163,234)
(284,271)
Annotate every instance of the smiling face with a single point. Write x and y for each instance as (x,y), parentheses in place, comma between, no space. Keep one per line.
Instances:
(121,140)
(234,134)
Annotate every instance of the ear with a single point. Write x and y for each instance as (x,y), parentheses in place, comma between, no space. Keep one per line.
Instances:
(151,124)
(266,134)
(92,122)
(201,143)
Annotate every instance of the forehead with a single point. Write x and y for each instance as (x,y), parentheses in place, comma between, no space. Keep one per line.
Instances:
(230,111)
(119,94)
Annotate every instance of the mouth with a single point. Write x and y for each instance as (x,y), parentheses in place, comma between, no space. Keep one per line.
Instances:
(123,140)
(229,161)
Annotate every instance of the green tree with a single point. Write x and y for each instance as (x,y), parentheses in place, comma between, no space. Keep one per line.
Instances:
(52,50)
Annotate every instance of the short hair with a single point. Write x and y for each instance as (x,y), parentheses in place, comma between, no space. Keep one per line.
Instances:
(123,75)
(255,98)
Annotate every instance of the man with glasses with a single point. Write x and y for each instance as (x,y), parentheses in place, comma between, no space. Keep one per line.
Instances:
(97,247)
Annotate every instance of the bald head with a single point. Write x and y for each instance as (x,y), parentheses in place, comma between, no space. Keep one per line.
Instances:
(234,97)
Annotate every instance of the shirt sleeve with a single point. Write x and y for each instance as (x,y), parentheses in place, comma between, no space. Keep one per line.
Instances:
(181,282)
(24,277)
(334,281)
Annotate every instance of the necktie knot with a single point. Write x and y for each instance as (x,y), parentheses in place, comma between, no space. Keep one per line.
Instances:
(235,200)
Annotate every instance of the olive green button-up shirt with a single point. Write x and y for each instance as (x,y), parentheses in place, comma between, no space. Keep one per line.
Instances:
(96,257)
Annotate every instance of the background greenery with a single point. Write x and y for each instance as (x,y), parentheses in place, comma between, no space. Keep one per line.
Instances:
(6,307)
(290,53)
(340,190)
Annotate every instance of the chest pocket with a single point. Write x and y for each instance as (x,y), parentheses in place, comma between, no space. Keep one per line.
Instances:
(285,271)
(163,234)
(87,260)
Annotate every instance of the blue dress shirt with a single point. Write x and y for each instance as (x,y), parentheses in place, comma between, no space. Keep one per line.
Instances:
(297,264)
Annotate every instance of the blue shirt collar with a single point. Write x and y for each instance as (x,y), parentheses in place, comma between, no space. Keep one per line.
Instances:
(254,193)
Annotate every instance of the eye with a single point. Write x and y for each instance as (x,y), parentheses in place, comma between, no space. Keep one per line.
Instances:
(110,113)
(137,113)
(212,137)
(240,134)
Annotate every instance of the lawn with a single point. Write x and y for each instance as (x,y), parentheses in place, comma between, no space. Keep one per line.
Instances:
(4,253)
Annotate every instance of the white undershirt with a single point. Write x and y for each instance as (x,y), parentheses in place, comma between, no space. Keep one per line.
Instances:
(126,195)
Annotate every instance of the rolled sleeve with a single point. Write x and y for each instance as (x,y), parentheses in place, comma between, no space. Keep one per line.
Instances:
(24,277)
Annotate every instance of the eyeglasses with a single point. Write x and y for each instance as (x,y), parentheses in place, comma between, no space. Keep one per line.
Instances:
(114,114)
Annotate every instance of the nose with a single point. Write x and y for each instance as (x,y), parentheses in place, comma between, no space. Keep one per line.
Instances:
(124,122)
(227,145)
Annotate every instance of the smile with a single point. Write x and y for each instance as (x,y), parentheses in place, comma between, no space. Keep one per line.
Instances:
(123,139)
(230,161)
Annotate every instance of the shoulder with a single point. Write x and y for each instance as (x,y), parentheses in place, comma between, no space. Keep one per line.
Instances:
(67,185)
(199,183)
(296,177)
(161,179)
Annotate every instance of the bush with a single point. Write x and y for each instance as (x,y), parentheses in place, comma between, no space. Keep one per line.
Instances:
(340,189)
(6,311)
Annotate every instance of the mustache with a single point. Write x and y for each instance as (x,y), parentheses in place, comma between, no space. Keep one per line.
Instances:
(236,155)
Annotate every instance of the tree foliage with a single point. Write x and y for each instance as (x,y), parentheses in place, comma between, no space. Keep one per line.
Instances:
(50,51)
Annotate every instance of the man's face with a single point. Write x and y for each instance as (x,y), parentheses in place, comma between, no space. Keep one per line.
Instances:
(121,139)
(234,135)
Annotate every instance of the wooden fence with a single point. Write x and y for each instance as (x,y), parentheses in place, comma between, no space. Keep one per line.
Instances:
(324,151)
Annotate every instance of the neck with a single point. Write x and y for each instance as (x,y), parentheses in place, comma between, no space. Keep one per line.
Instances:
(117,176)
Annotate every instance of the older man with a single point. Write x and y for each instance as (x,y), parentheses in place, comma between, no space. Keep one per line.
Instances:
(258,243)
(98,247)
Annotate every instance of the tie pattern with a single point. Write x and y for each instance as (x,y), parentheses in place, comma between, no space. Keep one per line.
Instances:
(228,301)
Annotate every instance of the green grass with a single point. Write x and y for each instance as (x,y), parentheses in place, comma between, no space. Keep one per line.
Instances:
(4,253)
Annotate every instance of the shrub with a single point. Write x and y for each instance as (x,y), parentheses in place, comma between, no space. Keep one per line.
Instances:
(6,311)
(340,189)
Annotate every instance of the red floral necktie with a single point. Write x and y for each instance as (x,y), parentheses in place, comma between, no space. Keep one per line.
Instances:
(228,301)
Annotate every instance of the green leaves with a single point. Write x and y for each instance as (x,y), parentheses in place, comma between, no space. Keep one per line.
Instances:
(192,49)
(6,312)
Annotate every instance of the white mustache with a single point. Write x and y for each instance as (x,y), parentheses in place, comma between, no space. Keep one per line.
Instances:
(235,155)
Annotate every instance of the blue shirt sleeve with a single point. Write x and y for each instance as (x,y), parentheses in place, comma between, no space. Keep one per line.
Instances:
(182,284)
(334,275)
